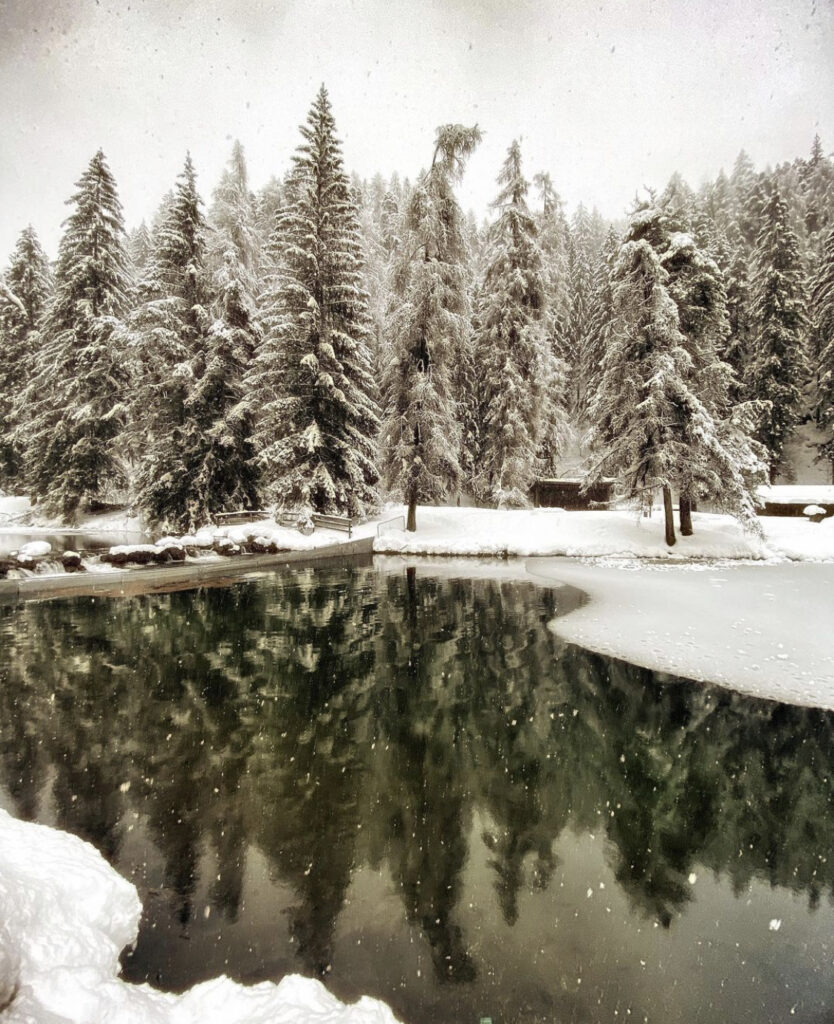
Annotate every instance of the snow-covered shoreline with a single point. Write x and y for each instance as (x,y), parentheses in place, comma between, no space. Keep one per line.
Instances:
(541,532)
(65,915)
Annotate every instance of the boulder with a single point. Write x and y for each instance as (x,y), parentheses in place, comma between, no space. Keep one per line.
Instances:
(71,561)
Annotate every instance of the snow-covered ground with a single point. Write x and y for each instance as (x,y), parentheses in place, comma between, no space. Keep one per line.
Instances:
(764,630)
(490,532)
(65,915)
(472,532)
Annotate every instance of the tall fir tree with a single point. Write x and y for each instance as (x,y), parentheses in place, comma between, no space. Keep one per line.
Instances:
(722,463)
(662,411)
(232,218)
(312,380)
(25,288)
(78,396)
(817,186)
(635,415)
(226,474)
(171,327)
(511,345)
(822,307)
(778,367)
(601,315)
(430,332)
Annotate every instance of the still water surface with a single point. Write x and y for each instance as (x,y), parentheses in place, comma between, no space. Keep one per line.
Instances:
(407,786)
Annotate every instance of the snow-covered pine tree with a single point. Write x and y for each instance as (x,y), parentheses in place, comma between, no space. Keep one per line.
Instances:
(430,331)
(511,346)
(778,366)
(636,410)
(736,350)
(723,464)
(575,353)
(678,204)
(669,321)
(817,185)
(24,292)
(601,311)
(232,220)
(822,307)
(226,474)
(554,242)
(554,238)
(745,189)
(78,396)
(312,379)
(139,246)
(171,328)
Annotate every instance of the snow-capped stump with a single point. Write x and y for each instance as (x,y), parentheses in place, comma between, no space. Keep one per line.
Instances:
(71,561)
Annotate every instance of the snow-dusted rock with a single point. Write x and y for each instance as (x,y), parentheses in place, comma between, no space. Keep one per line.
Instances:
(71,561)
(35,549)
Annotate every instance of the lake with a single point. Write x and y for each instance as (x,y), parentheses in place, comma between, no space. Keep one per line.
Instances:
(407,786)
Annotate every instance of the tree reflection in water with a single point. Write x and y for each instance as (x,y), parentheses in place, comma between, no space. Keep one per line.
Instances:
(346,720)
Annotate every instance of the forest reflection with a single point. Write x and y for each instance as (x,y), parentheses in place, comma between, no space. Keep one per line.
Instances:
(338,719)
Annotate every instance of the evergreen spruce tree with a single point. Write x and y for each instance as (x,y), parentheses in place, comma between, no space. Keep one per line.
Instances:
(779,326)
(722,464)
(822,306)
(512,351)
(635,415)
(817,186)
(601,314)
(78,396)
(430,332)
(24,291)
(554,241)
(139,246)
(233,222)
(171,327)
(312,379)
(575,352)
(226,477)
(668,418)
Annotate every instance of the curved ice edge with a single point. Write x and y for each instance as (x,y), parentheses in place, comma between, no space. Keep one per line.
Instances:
(761,629)
(66,914)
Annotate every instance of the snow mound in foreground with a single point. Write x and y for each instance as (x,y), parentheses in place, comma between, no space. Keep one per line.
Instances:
(65,915)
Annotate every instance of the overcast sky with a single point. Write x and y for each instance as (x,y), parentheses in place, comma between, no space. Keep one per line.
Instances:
(606,95)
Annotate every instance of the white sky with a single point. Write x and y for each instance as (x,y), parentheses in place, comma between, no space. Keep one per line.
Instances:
(607,95)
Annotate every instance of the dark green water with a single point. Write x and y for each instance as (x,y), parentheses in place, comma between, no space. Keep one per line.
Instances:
(408,787)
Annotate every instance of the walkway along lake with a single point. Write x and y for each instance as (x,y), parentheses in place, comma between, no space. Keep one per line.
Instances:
(409,787)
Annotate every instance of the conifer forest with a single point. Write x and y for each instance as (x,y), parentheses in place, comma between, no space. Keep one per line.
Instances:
(326,343)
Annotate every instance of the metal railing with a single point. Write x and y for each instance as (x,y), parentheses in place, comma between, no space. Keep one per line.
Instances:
(389,525)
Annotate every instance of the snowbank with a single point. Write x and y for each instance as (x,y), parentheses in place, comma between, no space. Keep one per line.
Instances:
(65,915)
(763,630)
(13,508)
(544,532)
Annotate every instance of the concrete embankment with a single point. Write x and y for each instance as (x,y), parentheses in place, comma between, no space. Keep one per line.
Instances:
(158,579)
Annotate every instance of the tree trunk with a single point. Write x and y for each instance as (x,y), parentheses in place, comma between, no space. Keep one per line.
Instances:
(670,518)
(685,506)
(411,522)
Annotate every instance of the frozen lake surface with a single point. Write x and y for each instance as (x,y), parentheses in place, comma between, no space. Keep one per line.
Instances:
(406,784)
